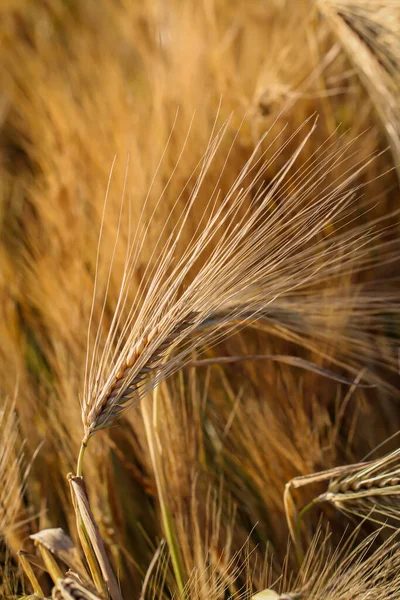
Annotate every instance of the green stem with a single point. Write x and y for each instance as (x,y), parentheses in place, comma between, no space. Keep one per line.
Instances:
(151,429)
(173,548)
(79,466)
(301,514)
(299,548)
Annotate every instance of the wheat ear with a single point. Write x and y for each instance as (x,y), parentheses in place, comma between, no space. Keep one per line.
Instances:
(371,492)
(263,251)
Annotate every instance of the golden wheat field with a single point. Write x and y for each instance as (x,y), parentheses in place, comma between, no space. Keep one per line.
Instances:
(199,299)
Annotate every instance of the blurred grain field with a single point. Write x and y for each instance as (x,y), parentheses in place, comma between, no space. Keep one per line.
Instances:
(198,468)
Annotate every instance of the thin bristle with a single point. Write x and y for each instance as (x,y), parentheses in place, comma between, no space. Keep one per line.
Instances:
(351,573)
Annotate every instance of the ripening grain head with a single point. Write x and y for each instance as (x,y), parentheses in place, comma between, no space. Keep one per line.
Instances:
(370,491)
(259,252)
